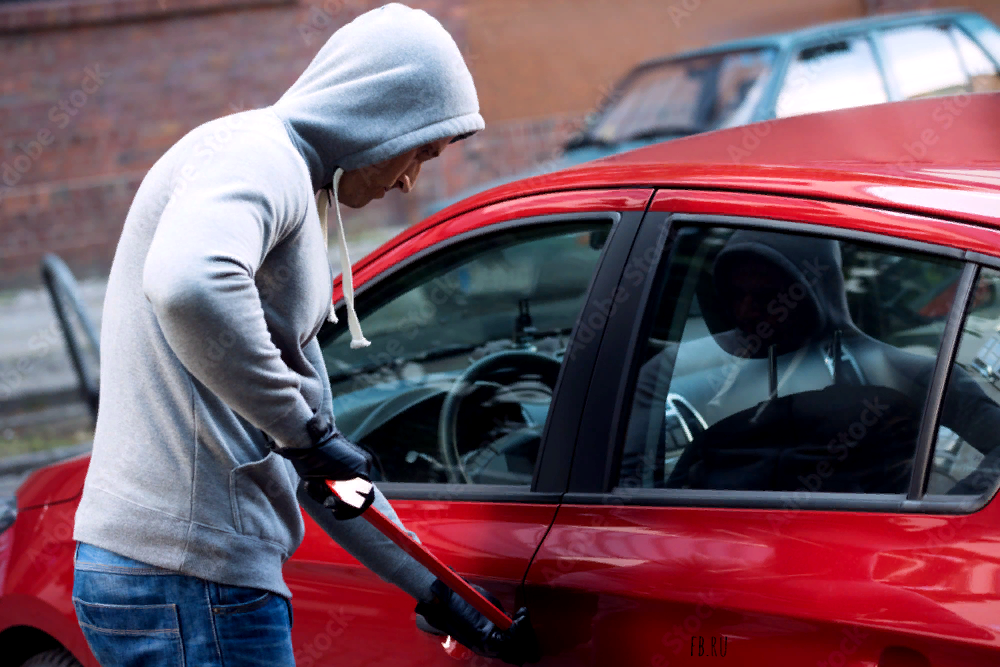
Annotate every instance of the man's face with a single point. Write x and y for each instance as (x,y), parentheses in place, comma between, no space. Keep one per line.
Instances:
(360,186)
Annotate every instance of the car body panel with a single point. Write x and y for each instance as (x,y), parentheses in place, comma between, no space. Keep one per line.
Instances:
(619,582)
(53,484)
(489,544)
(37,585)
(633,585)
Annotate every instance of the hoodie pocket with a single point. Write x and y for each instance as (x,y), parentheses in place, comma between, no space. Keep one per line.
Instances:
(264,502)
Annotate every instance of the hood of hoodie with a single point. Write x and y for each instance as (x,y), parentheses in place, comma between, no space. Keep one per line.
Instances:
(389,81)
(814,279)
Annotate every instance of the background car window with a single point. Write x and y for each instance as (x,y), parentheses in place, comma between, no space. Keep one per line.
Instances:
(924,60)
(686,97)
(983,75)
(966,460)
(835,75)
(465,352)
(782,362)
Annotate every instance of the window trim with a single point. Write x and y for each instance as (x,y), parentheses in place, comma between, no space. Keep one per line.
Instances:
(934,403)
(545,478)
(581,490)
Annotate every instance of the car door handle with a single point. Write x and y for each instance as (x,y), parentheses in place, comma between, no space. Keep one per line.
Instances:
(902,656)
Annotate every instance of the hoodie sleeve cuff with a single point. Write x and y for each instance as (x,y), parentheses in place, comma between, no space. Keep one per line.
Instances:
(289,430)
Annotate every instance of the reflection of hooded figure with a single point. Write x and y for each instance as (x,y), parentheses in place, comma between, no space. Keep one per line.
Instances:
(787,393)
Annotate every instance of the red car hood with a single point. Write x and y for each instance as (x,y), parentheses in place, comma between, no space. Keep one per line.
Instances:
(55,483)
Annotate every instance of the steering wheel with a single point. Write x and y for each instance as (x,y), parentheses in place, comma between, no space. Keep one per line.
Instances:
(501,368)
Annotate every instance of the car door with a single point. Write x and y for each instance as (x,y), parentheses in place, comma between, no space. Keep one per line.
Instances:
(460,399)
(787,453)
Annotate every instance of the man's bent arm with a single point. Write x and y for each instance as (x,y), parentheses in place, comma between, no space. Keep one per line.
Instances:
(199,278)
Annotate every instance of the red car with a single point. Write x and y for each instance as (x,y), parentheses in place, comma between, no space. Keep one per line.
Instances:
(686,403)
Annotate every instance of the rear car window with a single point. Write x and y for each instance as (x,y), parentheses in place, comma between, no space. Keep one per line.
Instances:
(784,362)
(930,60)
(833,75)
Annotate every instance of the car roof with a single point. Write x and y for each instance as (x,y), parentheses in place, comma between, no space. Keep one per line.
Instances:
(936,156)
(794,38)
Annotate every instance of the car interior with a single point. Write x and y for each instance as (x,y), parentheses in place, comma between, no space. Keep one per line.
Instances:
(466,351)
(778,362)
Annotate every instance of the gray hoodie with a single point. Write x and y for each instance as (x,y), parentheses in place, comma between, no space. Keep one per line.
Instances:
(219,284)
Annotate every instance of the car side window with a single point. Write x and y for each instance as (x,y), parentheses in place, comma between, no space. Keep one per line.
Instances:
(785,362)
(466,347)
(966,460)
(835,75)
(983,74)
(930,60)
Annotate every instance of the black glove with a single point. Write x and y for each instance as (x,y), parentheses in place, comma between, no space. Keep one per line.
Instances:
(454,616)
(332,457)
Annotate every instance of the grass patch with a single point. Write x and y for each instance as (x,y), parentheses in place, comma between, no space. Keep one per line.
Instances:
(13,444)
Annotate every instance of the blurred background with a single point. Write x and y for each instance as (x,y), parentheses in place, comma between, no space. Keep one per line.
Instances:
(94,91)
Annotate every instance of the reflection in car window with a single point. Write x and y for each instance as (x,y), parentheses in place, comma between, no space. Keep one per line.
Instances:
(687,96)
(805,366)
(965,461)
(835,75)
(924,61)
(465,352)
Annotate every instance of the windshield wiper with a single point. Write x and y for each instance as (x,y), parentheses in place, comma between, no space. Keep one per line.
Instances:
(662,131)
(582,140)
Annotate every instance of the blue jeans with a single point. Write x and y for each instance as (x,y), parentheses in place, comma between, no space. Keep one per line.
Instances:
(136,614)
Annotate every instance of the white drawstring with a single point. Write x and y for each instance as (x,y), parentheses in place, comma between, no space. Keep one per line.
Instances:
(323,205)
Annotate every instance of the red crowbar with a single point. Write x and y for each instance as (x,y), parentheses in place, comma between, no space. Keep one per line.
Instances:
(347,491)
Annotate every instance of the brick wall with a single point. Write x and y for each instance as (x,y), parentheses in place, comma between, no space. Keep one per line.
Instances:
(90,99)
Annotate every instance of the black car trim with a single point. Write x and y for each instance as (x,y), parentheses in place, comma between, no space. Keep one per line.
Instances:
(979,258)
(616,352)
(591,483)
(843,233)
(777,500)
(780,500)
(465,493)
(953,328)
(552,466)
(575,379)
(641,324)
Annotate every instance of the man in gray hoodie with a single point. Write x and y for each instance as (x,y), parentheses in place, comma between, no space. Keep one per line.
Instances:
(215,417)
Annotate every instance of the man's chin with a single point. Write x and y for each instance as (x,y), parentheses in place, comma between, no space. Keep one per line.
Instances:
(354,203)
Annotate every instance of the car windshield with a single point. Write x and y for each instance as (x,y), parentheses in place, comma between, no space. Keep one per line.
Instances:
(684,97)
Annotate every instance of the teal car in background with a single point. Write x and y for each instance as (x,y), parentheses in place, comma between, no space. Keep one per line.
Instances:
(821,68)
